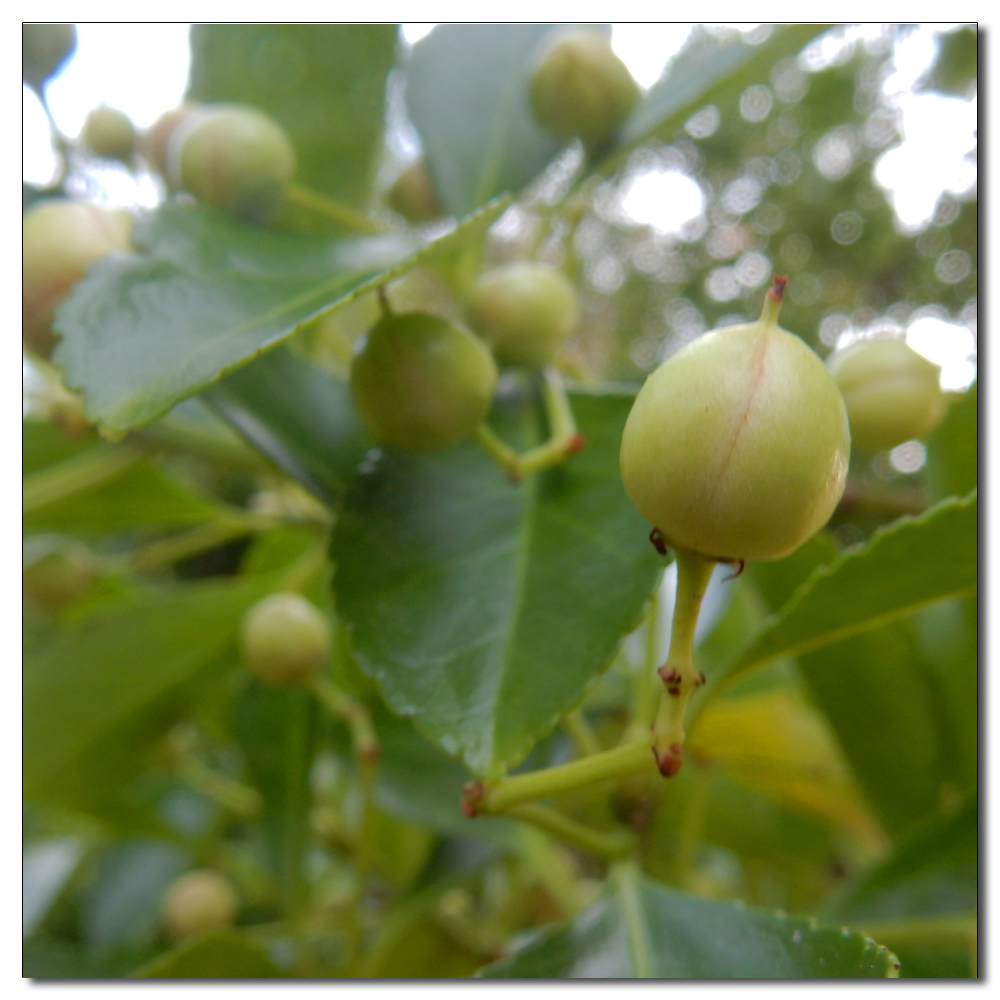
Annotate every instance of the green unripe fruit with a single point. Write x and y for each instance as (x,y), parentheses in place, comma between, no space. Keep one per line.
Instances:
(524,310)
(285,639)
(56,571)
(155,140)
(234,157)
(110,133)
(413,195)
(197,902)
(737,446)
(44,48)
(580,89)
(60,241)
(422,383)
(892,393)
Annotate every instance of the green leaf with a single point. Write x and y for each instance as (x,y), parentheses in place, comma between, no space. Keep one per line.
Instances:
(122,908)
(933,871)
(905,566)
(688,937)
(467,95)
(953,449)
(324,83)
(297,415)
(98,672)
(484,609)
(276,727)
(46,867)
(226,954)
(209,294)
(709,69)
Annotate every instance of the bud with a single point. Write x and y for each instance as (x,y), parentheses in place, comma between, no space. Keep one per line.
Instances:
(524,310)
(737,446)
(580,89)
(422,383)
(892,393)
(56,570)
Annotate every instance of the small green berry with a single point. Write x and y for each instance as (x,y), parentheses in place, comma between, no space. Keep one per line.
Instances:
(737,446)
(234,157)
(422,383)
(44,48)
(60,241)
(413,195)
(197,902)
(892,393)
(56,570)
(580,89)
(524,310)
(109,133)
(285,639)
(155,140)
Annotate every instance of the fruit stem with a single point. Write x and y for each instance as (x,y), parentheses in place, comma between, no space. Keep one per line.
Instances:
(326,208)
(501,453)
(350,711)
(627,879)
(501,795)
(772,302)
(610,844)
(577,728)
(678,674)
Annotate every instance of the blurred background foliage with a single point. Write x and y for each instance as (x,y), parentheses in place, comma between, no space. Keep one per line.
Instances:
(839,783)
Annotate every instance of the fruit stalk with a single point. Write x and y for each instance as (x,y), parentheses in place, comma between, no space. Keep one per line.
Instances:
(679,676)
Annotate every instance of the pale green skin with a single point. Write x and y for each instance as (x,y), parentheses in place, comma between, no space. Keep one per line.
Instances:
(197,902)
(284,639)
(524,310)
(580,89)
(422,383)
(60,241)
(413,195)
(110,133)
(234,157)
(737,446)
(892,393)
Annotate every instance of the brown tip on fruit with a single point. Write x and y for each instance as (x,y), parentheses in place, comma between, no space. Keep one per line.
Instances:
(699,681)
(371,754)
(777,290)
(658,543)
(472,795)
(740,566)
(576,443)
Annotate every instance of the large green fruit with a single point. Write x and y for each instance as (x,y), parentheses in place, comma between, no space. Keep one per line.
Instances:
(285,639)
(422,383)
(197,902)
(110,133)
(892,393)
(234,157)
(524,310)
(60,241)
(580,89)
(737,446)
(44,48)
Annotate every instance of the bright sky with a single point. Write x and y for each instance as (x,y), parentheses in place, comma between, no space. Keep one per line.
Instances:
(142,69)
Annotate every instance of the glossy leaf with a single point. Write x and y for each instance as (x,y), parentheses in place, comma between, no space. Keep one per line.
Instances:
(99,671)
(324,83)
(297,415)
(467,94)
(687,937)
(905,566)
(226,954)
(484,609)
(206,295)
